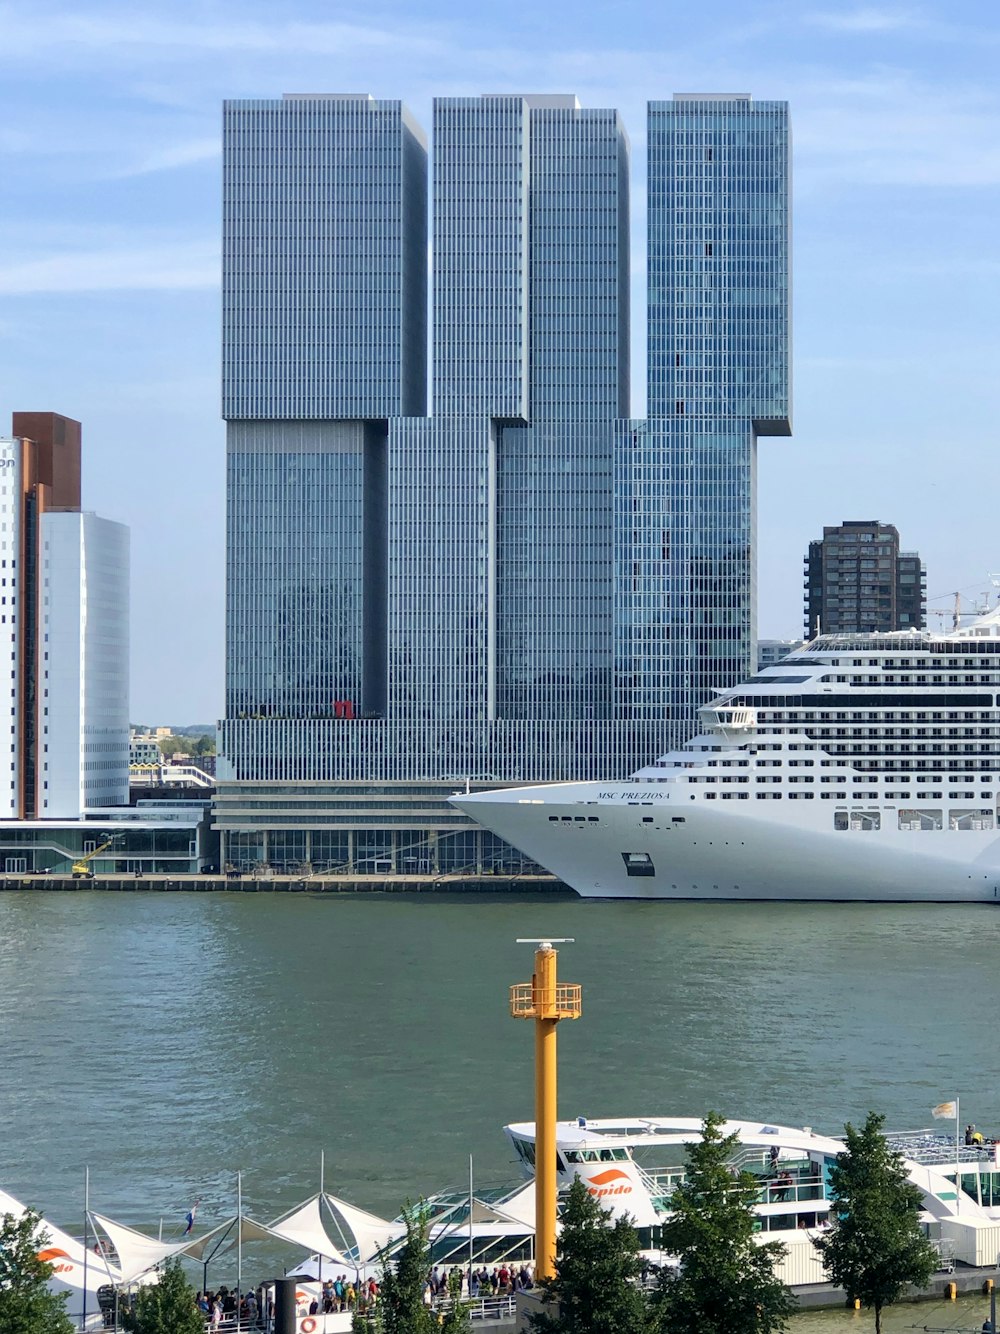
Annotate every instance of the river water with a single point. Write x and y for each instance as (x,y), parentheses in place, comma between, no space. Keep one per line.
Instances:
(169,1041)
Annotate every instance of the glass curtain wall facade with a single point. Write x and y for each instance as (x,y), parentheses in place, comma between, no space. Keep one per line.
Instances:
(524,586)
(718,378)
(324,311)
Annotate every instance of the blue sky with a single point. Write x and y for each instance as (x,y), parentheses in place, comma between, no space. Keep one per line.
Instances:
(109,251)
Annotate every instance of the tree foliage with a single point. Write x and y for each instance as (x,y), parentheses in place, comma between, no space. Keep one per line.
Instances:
(724,1282)
(166,1307)
(26,1304)
(401,1308)
(594,1289)
(875,1246)
(187,746)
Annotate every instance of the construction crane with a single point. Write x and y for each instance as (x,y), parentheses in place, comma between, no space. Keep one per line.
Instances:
(956,613)
(81,867)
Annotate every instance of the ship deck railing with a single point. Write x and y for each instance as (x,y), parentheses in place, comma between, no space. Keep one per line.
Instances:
(493,1308)
(932,1149)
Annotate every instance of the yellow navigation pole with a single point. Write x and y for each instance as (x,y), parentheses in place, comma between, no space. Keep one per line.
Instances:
(546,1001)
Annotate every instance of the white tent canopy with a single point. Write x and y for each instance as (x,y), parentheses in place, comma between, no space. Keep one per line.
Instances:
(520,1207)
(75,1270)
(304,1227)
(370,1233)
(136,1252)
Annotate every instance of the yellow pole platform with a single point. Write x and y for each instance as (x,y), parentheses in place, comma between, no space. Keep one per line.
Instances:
(545,1001)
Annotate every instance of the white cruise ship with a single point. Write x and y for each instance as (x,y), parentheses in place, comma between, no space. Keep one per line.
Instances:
(862,767)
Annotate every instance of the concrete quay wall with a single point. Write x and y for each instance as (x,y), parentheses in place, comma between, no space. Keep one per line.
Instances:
(293,884)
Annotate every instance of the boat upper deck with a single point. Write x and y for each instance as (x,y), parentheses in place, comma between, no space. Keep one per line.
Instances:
(931,1148)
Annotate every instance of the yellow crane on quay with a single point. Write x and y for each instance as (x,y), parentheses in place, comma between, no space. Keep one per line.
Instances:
(81,867)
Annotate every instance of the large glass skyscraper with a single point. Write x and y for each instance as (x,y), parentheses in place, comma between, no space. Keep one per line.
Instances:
(523,585)
(718,377)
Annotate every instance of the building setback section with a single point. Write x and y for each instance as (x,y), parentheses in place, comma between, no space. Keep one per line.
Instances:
(324,260)
(718,287)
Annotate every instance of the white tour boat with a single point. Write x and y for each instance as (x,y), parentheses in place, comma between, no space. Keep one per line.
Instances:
(862,767)
(633,1166)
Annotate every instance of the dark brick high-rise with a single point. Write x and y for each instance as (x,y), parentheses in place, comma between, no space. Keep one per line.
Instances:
(857,580)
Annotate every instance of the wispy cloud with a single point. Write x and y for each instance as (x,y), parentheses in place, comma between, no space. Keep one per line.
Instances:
(58,31)
(184,266)
(172,156)
(864,20)
(891,128)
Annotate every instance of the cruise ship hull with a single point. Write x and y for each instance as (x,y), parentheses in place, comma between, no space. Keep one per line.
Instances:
(611,842)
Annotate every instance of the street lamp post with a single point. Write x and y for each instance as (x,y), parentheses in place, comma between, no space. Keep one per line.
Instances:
(546,1001)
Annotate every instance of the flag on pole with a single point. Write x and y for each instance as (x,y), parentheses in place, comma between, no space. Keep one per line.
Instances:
(945,1111)
(191,1217)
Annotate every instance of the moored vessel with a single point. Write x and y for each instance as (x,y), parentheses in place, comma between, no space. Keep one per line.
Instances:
(862,767)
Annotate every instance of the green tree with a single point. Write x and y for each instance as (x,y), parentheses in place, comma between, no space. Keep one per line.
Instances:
(875,1246)
(26,1304)
(167,1307)
(400,1308)
(597,1262)
(724,1282)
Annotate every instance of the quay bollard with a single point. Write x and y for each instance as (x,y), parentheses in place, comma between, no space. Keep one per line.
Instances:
(951,1291)
(284,1305)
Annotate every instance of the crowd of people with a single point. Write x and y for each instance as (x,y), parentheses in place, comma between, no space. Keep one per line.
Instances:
(222,1309)
(340,1294)
(502,1280)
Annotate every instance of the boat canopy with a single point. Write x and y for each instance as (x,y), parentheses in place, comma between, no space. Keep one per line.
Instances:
(75,1270)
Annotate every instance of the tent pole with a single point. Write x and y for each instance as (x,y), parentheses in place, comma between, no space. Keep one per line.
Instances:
(86,1240)
(470,1225)
(239,1244)
(322,1191)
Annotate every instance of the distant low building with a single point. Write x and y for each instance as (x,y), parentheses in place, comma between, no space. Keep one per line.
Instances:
(772,651)
(153,837)
(144,750)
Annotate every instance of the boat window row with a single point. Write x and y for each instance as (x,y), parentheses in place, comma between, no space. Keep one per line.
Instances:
(983,1187)
(940,700)
(596,1155)
(788,1222)
(917,818)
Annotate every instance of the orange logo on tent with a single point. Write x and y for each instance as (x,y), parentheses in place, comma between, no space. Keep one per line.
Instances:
(51,1254)
(601,1183)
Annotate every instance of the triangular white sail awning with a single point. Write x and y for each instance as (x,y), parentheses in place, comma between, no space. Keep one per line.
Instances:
(137,1253)
(210,1243)
(304,1227)
(519,1208)
(371,1234)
